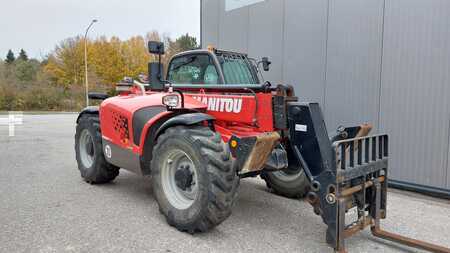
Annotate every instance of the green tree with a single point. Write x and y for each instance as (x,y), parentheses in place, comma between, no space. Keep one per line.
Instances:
(186,42)
(26,71)
(23,55)
(10,58)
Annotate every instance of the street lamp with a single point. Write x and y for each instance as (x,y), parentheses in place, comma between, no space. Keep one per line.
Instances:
(85,60)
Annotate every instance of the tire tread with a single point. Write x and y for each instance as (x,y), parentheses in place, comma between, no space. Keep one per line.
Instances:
(224,181)
(102,172)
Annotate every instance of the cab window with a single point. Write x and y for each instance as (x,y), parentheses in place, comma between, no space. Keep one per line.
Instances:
(237,69)
(193,69)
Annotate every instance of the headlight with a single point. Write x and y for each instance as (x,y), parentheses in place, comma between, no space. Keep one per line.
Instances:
(170,100)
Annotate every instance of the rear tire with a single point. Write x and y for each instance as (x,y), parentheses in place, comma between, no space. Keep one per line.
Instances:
(291,184)
(192,178)
(93,167)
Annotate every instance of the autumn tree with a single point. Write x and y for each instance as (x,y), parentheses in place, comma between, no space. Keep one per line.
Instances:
(65,64)
(106,59)
(135,55)
(56,82)
(109,59)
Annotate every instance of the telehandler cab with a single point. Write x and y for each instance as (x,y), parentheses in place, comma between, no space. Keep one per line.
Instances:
(212,121)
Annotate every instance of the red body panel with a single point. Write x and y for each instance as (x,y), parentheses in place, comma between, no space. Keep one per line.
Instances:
(240,114)
(244,114)
(116,115)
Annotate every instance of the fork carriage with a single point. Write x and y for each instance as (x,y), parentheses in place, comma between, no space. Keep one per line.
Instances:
(348,174)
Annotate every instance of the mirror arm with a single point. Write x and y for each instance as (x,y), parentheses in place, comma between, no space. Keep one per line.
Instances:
(159,69)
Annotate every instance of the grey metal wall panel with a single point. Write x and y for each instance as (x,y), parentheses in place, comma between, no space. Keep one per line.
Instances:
(448,154)
(209,22)
(415,89)
(233,28)
(353,62)
(305,32)
(264,35)
(387,67)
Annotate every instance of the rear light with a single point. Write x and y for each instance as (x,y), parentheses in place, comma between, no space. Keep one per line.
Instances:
(171,100)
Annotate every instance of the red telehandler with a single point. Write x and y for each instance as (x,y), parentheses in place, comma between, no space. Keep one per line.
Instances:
(211,121)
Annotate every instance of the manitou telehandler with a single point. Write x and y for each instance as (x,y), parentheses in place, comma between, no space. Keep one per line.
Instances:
(211,121)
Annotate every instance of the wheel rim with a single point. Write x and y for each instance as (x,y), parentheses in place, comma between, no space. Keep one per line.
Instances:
(86,148)
(288,174)
(179,179)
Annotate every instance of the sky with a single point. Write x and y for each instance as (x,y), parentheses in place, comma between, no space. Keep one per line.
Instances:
(38,25)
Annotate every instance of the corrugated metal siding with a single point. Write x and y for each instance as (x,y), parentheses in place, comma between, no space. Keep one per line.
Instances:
(305,33)
(382,61)
(210,22)
(233,28)
(448,155)
(415,89)
(267,16)
(353,62)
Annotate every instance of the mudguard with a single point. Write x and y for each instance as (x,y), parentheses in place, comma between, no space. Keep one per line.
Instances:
(152,132)
(88,110)
(186,119)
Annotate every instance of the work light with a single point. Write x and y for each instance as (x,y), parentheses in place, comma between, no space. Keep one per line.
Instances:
(170,100)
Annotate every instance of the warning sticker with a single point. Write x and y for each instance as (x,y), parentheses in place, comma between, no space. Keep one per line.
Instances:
(300,128)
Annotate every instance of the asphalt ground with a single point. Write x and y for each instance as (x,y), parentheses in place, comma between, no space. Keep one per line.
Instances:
(46,207)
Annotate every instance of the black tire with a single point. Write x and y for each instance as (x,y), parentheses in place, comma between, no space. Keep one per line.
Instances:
(291,182)
(97,170)
(217,183)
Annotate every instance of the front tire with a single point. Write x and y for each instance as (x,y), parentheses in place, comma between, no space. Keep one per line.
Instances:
(93,167)
(193,179)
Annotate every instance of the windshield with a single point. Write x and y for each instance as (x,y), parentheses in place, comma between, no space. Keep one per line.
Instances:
(237,68)
(193,69)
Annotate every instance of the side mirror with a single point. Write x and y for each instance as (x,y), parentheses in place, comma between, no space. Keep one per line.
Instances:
(155,69)
(266,63)
(155,79)
(156,47)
